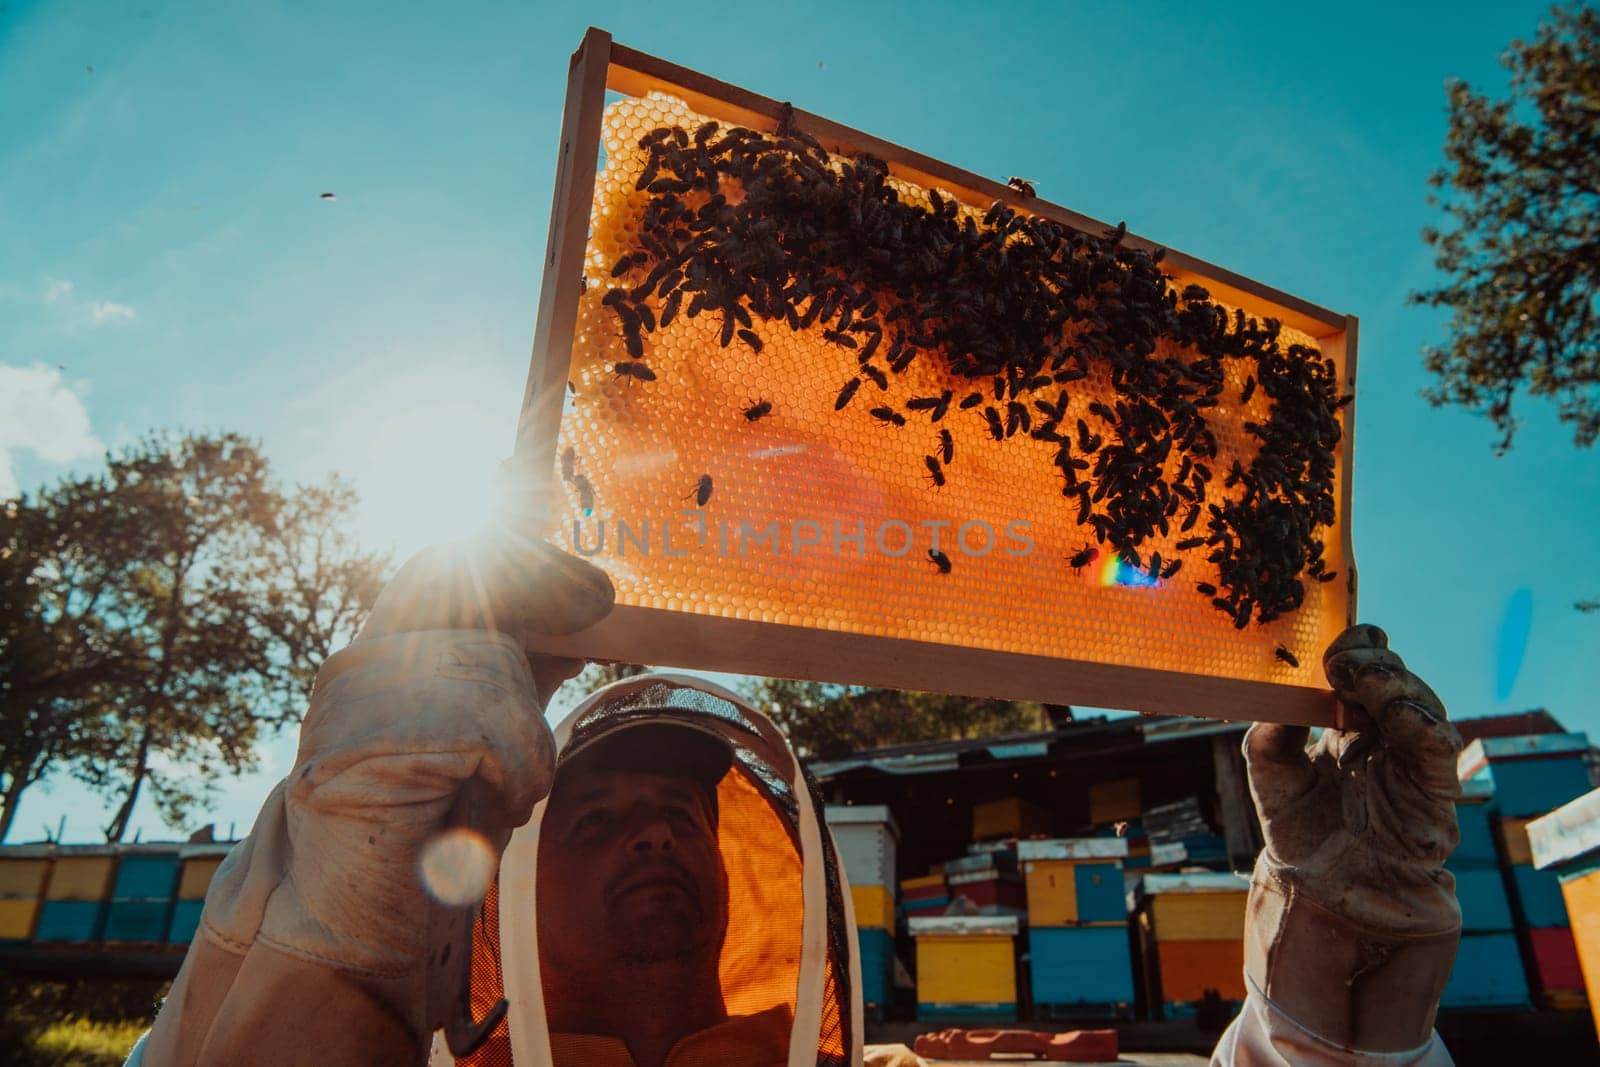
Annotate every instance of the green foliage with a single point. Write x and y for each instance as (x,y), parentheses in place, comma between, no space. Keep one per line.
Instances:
(1522,189)
(164,613)
(830,720)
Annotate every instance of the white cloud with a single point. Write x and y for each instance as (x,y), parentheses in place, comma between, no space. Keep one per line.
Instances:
(79,312)
(41,414)
(104,311)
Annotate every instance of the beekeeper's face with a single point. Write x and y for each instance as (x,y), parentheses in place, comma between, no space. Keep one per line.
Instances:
(629,872)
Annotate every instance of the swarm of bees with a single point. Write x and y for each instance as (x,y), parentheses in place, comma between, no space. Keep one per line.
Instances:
(745,225)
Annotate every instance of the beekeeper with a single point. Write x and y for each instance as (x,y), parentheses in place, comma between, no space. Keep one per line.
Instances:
(669,896)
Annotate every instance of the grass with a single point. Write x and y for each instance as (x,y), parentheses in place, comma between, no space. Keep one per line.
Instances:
(85,1043)
(85,1023)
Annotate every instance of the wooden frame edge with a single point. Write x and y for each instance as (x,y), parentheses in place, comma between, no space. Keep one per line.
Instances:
(746,646)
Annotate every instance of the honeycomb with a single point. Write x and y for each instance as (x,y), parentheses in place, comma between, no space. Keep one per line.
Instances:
(727,484)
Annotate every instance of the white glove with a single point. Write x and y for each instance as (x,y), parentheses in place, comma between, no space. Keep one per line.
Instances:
(324,901)
(1352,921)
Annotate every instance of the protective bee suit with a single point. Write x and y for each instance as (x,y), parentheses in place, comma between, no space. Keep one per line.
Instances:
(781,867)
(314,943)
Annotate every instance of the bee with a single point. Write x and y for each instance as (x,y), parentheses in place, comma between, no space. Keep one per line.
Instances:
(879,379)
(846,393)
(997,429)
(758,409)
(888,414)
(1083,557)
(1286,656)
(1249,390)
(1206,588)
(935,472)
(585,493)
(573,389)
(947,445)
(1155,565)
(937,405)
(633,369)
(939,560)
(1190,542)
(670,309)
(971,400)
(701,491)
(749,337)
(569,463)
(1171,568)
(1088,442)
(1021,185)
(628,262)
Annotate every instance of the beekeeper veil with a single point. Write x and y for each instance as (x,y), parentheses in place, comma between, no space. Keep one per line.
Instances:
(789,952)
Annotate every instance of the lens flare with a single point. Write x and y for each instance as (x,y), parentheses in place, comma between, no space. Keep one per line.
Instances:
(456,867)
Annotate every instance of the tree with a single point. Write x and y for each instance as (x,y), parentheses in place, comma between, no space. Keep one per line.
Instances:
(830,720)
(203,596)
(1523,255)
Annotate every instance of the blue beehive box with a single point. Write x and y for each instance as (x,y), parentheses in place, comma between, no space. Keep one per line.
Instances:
(137,920)
(69,920)
(1484,904)
(146,877)
(186,920)
(1100,890)
(1532,774)
(1081,971)
(1487,974)
(1474,817)
(1539,896)
(877,969)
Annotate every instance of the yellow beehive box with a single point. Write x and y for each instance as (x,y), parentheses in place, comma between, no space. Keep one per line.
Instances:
(761,459)
(966,960)
(22,879)
(16,919)
(1198,916)
(80,878)
(874,905)
(1513,836)
(1114,801)
(1010,817)
(196,877)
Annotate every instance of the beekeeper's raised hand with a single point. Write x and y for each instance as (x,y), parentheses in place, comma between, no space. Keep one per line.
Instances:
(1352,920)
(311,944)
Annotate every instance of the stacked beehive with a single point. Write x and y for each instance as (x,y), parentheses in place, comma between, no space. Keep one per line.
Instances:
(1533,775)
(1079,964)
(866,836)
(23,872)
(1488,966)
(985,881)
(1567,844)
(75,894)
(966,967)
(1191,931)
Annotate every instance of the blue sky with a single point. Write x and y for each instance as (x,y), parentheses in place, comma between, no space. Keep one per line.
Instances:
(166,260)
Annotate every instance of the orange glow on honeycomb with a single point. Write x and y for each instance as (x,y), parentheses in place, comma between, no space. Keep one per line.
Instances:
(806,473)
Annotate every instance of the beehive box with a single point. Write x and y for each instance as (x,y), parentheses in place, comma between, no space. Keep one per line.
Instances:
(1074,880)
(866,835)
(758,400)
(1080,972)
(966,967)
(1191,928)
(1567,843)
(23,871)
(1532,774)
(1487,973)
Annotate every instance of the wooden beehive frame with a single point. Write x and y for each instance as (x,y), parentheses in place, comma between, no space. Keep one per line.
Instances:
(642,634)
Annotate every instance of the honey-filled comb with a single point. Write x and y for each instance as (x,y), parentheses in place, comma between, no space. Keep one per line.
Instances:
(826,408)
